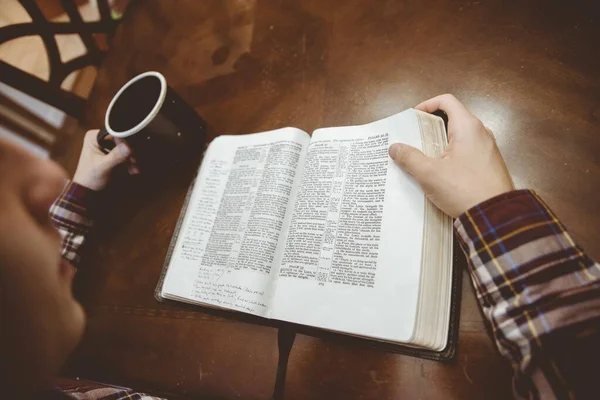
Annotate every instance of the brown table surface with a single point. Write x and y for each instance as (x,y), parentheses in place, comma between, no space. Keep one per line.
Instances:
(530,70)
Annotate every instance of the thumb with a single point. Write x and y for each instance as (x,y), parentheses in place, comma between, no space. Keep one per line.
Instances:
(116,156)
(411,160)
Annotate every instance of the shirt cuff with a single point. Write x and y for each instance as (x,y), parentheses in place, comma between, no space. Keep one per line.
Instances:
(510,236)
(72,214)
(491,234)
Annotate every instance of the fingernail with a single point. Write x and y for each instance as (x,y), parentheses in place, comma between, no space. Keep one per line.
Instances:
(124,149)
(393,150)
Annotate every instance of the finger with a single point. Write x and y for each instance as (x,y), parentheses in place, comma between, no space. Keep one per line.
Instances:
(116,156)
(132,160)
(490,132)
(133,169)
(91,142)
(448,103)
(411,160)
(91,134)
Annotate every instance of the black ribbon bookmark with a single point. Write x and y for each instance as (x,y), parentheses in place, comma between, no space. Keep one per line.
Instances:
(285,341)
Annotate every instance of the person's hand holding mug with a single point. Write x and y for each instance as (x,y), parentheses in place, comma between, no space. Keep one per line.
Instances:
(94,167)
(470,171)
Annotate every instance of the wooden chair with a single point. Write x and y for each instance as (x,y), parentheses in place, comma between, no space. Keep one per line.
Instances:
(26,124)
(50,91)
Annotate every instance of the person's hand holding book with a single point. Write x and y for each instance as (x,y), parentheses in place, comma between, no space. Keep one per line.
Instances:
(471,170)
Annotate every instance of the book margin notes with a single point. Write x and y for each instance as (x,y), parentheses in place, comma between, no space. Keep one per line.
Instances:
(324,231)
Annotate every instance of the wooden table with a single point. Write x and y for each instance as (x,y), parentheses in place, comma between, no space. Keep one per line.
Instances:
(529,70)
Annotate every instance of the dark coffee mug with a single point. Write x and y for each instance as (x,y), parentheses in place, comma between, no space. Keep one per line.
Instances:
(159,127)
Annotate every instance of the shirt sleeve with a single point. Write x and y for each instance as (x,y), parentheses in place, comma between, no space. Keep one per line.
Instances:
(539,291)
(69,389)
(72,213)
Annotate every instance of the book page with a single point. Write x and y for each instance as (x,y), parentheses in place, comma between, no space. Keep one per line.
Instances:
(226,250)
(352,256)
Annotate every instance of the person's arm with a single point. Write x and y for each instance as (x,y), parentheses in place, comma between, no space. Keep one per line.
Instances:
(72,212)
(539,291)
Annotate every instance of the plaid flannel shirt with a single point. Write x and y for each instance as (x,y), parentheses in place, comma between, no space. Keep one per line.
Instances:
(71,389)
(539,291)
(71,213)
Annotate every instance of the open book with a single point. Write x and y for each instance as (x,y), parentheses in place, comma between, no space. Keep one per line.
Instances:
(324,231)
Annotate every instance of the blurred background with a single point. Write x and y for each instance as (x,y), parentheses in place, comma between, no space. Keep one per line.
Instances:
(33,123)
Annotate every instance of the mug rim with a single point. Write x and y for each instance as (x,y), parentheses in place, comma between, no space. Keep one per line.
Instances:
(151,114)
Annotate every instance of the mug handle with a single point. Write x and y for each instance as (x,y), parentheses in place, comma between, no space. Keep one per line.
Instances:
(105,145)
